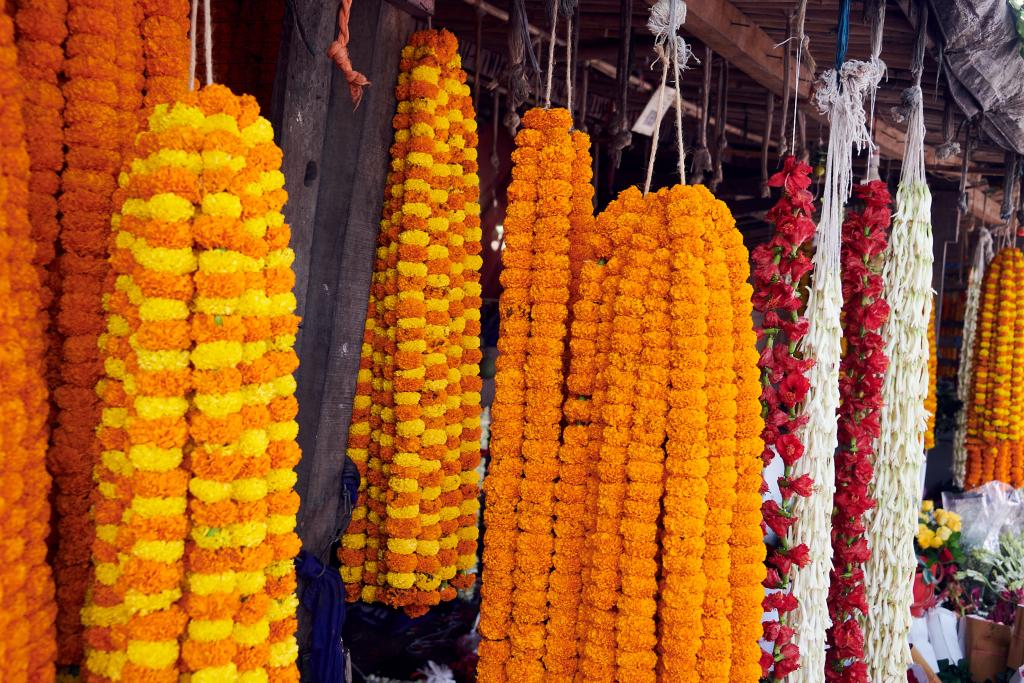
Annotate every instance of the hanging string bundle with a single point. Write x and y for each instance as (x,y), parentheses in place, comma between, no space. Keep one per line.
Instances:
(338,52)
(840,95)
(983,253)
(892,523)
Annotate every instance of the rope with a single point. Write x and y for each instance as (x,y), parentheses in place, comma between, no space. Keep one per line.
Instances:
(338,52)
(666,18)
(192,45)
(551,54)
(843,34)
(207,43)
(787,83)
(568,65)
(800,20)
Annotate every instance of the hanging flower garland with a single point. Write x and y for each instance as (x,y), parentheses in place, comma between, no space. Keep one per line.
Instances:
(687,450)
(892,523)
(966,371)
(200,336)
(931,401)
(561,655)
(100,90)
(747,549)
(779,266)
(865,236)
(602,578)
(720,386)
(165,45)
(41,31)
(415,427)
(840,94)
(27,646)
(993,423)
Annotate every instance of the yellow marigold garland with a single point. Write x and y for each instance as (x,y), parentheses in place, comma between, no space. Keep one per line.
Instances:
(994,441)
(27,647)
(931,403)
(415,427)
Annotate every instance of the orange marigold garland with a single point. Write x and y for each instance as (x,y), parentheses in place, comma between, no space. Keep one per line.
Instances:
(746,541)
(930,403)
(27,647)
(415,426)
(41,32)
(100,97)
(165,26)
(714,657)
(548,312)
(560,656)
(687,453)
(993,421)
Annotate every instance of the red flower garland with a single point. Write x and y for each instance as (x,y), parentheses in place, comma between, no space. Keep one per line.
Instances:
(865,236)
(778,267)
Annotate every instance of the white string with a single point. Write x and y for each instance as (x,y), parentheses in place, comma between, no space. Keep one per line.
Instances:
(796,86)
(551,54)
(192,45)
(679,113)
(657,124)
(666,18)
(208,42)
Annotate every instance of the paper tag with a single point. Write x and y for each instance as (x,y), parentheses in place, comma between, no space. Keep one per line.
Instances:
(650,117)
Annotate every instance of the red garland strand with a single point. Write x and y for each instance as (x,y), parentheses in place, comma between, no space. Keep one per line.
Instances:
(865,236)
(779,266)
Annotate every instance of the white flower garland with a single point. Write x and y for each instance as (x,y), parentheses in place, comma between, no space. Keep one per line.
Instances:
(965,373)
(899,453)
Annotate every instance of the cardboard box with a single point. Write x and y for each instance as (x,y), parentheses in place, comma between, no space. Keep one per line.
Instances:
(988,645)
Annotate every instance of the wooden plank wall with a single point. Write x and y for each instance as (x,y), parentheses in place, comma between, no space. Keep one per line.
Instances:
(335,161)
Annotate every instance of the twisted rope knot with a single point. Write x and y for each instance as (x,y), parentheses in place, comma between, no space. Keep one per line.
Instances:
(338,52)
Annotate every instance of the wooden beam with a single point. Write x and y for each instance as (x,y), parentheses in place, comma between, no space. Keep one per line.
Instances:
(736,37)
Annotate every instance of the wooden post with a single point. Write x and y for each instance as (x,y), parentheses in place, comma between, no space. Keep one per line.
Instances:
(335,163)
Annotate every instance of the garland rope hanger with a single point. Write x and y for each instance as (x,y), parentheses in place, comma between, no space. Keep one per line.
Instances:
(667,16)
